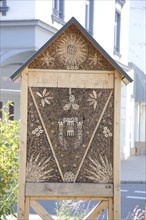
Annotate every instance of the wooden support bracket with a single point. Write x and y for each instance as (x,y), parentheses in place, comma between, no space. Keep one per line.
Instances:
(40,210)
(96,211)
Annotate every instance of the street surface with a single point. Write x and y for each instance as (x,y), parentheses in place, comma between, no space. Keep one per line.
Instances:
(131,196)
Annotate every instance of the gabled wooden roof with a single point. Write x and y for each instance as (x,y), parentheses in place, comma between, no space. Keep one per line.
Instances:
(106,57)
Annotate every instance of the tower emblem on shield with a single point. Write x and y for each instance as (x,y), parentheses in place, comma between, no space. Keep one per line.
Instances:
(70,129)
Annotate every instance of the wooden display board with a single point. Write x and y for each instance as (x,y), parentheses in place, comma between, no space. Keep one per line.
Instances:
(70,122)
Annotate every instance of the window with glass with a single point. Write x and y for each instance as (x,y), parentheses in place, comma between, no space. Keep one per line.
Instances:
(121,2)
(58,10)
(89,16)
(117,32)
(3,7)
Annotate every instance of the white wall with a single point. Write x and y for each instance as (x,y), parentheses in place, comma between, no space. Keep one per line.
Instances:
(127,118)
(75,9)
(104,17)
(123,121)
(124,33)
(20,9)
(137,29)
(130,111)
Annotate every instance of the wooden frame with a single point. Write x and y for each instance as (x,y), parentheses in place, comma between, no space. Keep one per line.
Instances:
(69,190)
(68,78)
(109,194)
(116,146)
(22,200)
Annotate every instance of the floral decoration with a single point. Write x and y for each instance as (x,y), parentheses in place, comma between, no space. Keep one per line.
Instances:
(45,97)
(48,59)
(96,60)
(107,132)
(72,50)
(37,131)
(93,98)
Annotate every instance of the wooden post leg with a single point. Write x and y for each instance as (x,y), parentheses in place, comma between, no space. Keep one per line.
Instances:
(116,150)
(21,207)
(110,209)
(23,144)
(26,209)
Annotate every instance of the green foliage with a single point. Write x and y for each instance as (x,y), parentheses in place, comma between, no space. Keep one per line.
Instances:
(69,209)
(9,153)
(77,210)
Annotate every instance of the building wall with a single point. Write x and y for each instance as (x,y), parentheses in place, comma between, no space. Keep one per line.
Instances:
(19,10)
(137,38)
(140,119)
(75,9)
(137,55)
(104,24)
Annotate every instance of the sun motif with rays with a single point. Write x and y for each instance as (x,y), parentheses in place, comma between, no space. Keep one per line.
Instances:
(72,50)
(36,169)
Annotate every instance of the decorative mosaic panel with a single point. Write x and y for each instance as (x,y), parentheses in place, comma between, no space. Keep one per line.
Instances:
(71,50)
(70,135)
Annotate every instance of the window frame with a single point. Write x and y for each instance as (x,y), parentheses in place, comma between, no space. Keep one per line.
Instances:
(58,11)
(4,8)
(121,2)
(89,16)
(117,32)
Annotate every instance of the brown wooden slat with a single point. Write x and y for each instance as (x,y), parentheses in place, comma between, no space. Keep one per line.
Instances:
(69,189)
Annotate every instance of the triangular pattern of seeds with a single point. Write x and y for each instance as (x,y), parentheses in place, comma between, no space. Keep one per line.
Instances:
(40,166)
(77,113)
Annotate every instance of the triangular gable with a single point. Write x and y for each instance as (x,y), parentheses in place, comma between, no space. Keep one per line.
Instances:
(71,50)
(72,47)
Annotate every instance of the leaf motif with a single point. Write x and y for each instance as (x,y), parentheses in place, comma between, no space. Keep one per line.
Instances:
(47,101)
(95,104)
(44,92)
(99,94)
(39,94)
(43,102)
(95,94)
(92,103)
(91,95)
(48,97)
(47,94)
(90,99)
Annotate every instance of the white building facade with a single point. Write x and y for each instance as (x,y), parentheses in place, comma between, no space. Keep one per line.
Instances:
(137,59)
(27,25)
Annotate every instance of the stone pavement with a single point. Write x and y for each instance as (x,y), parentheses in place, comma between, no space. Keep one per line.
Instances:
(134,169)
